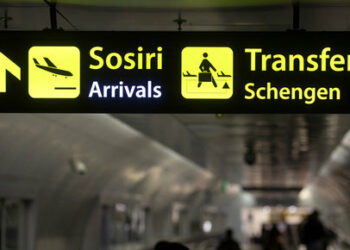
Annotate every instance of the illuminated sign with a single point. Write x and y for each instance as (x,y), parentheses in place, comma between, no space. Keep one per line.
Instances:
(175,72)
(54,72)
(207,72)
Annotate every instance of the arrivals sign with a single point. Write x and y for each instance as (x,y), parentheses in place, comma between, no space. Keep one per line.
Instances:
(175,72)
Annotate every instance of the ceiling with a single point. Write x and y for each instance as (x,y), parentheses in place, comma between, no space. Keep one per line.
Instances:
(176,3)
(289,148)
(35,16)
(120,161)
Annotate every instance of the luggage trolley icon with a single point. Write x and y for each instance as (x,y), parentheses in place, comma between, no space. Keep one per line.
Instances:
(207,72)
(205,75)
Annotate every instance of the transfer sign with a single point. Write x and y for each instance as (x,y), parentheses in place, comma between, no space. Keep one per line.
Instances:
(174,72)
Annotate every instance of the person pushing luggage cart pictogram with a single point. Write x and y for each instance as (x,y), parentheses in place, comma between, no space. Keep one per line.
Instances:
(205,75)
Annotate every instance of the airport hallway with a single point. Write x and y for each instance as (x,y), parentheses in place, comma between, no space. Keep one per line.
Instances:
(174,125)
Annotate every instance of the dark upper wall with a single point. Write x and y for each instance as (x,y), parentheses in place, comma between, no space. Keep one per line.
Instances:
(325,16)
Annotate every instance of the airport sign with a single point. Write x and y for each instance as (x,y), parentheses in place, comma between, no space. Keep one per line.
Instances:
(174,72)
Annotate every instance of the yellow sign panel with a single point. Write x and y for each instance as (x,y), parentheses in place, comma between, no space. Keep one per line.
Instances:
(54,72)
(207,72)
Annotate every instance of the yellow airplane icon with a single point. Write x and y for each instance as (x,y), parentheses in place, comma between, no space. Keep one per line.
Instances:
(54,72)
(52,68)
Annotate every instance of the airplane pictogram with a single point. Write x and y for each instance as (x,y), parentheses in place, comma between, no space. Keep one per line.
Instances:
(54,72)
(52,68)
(188,74)
(223,75)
